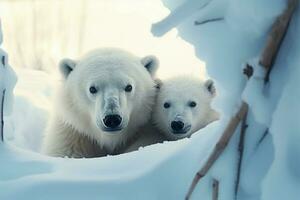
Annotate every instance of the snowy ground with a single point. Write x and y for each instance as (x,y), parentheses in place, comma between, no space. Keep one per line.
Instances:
(270,168)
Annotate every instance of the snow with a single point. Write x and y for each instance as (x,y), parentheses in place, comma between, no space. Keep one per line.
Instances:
(270,165)
(283,178)
(226,46)
(7,82)
(32,105)
(255,16)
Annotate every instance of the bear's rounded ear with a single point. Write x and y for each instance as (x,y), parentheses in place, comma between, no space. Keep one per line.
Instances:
(151,64)
(66,65)
(209,85)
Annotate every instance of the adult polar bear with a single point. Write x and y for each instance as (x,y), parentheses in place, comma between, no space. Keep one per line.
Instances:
(104,98)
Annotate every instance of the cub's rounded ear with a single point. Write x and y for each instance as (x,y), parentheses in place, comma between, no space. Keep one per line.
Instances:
(66,66)
(151,64)
(158,83)
(209,85)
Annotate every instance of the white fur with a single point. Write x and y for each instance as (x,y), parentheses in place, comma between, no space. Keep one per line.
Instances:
(74,130)
(179,91)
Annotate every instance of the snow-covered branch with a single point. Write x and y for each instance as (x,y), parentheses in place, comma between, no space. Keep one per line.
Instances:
(220,146)
(267,60)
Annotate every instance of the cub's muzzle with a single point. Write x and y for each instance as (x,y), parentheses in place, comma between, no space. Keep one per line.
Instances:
(178,127)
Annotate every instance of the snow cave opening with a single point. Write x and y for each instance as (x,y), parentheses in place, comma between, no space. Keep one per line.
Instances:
(36,59)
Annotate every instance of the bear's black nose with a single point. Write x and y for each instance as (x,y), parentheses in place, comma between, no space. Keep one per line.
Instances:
(177,126)
(112,121)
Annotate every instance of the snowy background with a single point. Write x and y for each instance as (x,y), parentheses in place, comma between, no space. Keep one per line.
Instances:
(271,161)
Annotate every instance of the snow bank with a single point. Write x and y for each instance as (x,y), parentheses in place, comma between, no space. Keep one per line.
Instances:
(270,166)
(283,178)
(24,127)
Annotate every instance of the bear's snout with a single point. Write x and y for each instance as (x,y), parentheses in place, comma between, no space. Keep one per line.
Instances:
(112,122)
(178,127)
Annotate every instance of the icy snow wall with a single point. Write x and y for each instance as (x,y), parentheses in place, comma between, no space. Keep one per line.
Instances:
(270,166)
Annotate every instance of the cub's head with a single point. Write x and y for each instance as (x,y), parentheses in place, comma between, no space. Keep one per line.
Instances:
(183,106)
(109,89)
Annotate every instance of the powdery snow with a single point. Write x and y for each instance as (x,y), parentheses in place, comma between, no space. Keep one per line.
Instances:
(271,140)
(270,167)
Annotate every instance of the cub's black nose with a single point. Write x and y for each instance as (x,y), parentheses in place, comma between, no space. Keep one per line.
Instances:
(112,121)
(177,126)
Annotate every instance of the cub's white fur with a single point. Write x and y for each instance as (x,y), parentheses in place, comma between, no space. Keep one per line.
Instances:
(188,100)
(179,92)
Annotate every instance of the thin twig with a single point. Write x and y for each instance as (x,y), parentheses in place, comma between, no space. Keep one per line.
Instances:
(244,126)
(208,20)
(215,191)
(2,114)
(219,147)
(262,137)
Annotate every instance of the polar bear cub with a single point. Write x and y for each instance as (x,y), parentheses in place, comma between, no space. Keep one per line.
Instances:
(102,101)
(183,106)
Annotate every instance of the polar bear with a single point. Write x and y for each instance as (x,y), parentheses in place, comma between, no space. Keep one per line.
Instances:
(102,101)
(182,107)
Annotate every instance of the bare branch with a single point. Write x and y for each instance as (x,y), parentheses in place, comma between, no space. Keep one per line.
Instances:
(208,20)
(263,137)
(219,147)
(244,126)
(2,116)
(215,192)
(267,60)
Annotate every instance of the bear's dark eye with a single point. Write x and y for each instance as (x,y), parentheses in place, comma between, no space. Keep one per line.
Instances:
(192,104)
(167,105)
(128,88)
(93,90)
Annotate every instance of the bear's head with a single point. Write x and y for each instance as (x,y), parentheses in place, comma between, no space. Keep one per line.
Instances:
(108,94)
(183,106)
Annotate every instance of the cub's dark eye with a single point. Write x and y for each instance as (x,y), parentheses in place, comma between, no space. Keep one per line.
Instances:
(167,105)
(93,90)
(128,88)
(192,104)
